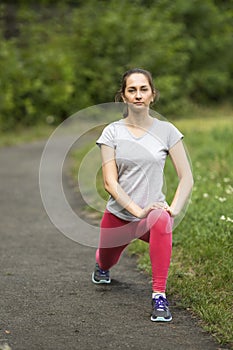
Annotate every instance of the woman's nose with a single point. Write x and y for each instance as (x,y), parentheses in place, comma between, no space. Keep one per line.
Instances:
(138,95)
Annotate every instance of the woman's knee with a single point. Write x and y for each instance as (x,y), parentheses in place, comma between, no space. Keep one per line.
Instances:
(160,219)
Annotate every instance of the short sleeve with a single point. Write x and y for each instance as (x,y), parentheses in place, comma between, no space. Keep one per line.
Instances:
(107,137)
(174,136)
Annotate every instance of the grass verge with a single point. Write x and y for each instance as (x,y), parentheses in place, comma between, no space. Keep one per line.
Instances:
(23,135)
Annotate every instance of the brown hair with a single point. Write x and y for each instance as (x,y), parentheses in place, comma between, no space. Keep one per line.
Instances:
(121,91)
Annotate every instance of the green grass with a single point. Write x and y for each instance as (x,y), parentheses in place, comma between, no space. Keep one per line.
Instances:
(23,135)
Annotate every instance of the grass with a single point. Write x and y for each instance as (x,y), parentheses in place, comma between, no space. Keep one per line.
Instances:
(22,135)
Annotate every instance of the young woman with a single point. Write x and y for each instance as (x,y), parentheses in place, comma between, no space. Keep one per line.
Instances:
(134,150)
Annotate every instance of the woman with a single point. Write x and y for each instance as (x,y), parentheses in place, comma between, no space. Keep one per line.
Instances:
(134,150)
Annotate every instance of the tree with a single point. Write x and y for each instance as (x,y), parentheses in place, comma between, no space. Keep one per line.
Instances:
(77,51)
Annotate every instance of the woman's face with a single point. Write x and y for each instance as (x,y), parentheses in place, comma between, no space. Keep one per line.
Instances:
(138,93)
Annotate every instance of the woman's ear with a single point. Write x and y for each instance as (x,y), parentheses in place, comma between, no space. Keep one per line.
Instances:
(156,95)
(123,98)
(153,98)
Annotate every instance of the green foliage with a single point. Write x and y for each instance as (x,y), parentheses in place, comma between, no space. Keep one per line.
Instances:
(36,76)
(60,57)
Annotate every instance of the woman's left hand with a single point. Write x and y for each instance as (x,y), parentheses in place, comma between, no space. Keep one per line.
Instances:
(169,210)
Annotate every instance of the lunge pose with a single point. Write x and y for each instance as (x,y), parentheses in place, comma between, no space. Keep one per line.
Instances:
(134,150)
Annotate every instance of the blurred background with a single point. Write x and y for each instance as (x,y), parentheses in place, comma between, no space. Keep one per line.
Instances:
(57,57)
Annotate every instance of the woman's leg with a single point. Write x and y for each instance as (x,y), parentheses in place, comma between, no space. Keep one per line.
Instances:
(160,226)
(155,229)
(114,238)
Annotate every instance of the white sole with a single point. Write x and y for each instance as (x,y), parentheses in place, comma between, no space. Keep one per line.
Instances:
(101,281)
(161,319)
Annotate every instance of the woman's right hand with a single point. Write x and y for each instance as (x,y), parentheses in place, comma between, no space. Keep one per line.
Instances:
(156,205)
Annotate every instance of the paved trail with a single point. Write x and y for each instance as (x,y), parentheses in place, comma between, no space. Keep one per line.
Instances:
(47,301)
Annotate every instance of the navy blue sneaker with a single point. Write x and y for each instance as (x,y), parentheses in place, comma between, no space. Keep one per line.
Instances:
(160,310)
(100,276)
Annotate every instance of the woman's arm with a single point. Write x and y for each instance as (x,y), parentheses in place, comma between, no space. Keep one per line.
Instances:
(111,185)
(181,164)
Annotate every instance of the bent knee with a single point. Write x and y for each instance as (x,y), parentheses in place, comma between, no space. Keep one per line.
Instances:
(161,219)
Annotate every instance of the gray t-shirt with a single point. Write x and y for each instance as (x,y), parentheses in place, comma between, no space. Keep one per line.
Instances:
(140,162)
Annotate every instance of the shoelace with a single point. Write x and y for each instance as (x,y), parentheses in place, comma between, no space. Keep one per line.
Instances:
(103,273)
(160,303)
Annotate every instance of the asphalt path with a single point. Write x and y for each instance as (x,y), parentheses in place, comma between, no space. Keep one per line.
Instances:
(47,299)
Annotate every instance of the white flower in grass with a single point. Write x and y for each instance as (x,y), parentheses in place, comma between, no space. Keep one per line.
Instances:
(229,189)
(229,219)
(221,199)
(218,184)
(226,179)
(205,195)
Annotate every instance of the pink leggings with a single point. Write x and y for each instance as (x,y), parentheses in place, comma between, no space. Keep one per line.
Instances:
(156,229)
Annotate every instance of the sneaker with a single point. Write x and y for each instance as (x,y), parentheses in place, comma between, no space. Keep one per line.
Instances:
(160,310)
(100,276)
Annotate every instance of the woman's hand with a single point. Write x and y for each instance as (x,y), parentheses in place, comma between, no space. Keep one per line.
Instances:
(156,205)
(169,210)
